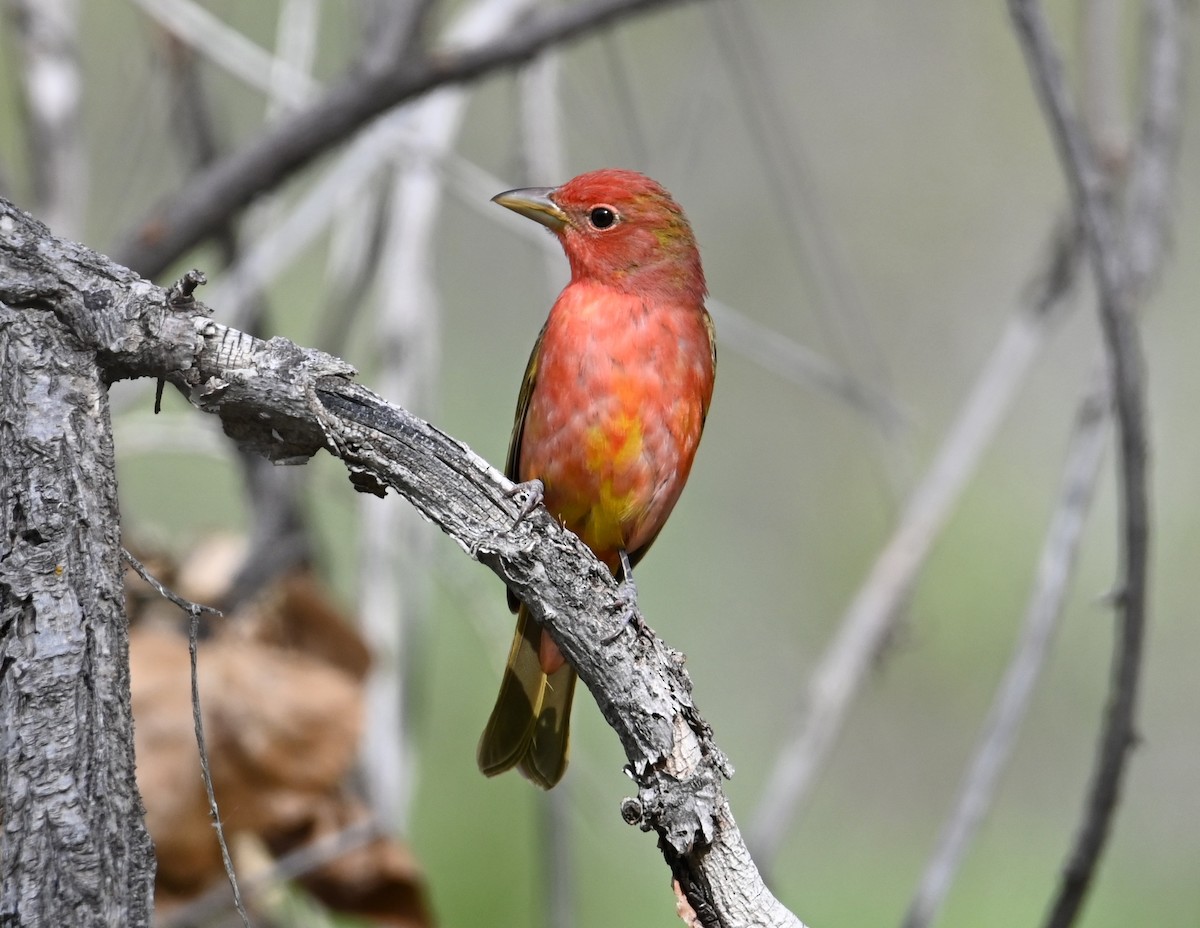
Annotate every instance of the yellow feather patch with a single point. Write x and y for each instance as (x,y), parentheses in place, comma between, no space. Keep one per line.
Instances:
(612,447)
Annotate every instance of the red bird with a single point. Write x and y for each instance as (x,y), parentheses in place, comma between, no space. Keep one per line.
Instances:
(609,417)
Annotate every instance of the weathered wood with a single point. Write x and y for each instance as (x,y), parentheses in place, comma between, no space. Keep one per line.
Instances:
(73,843)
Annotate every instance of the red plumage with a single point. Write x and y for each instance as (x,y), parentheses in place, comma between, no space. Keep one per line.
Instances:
(609,416)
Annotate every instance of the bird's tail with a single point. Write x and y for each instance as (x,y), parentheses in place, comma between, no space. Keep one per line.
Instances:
(530,725)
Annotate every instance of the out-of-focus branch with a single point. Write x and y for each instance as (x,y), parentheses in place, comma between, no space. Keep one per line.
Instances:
(799,206)
(279,533)
(194,213)
(231,50)
(52,93)
(1056,565)
(1156,145)
(296,36)
(1117,297)
(393,30)
(1102,98)
(869,619)
(297,863)
(395,552)
(1150,172)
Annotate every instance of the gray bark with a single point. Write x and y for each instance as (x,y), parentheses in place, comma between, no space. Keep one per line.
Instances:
(73,843)
(287,403)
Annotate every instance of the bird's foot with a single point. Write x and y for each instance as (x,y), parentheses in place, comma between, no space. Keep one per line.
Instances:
(627,597)
(534,492)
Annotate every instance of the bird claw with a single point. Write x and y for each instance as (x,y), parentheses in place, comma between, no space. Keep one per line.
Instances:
(534,492)
(627,597)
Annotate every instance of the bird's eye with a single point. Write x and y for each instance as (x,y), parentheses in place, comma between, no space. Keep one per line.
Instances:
(601,217)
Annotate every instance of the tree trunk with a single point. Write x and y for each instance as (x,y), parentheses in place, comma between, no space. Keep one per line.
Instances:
(74,849)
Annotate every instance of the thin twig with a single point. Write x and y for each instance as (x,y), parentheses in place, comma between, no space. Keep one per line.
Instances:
(841,308)
(191,608)
(396,549)
(206,770)
(279,539)
(1056,565)
(195,610)
(296,32)
(356,241)
(869,619)
(796,363)
(1116,303)
(390,30)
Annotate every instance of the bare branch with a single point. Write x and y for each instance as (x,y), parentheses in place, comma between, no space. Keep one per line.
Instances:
(394,554)
(1150,178)
(194,611)
(295,48)
(1056,565)
(820,259)
(393,30)
(869,619)
(231,50)
(52,89)
(206,769)
(171,596)
(196,212)
(1117,296)
(1156,146)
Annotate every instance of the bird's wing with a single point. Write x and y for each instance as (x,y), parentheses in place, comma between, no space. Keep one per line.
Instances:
(512,463)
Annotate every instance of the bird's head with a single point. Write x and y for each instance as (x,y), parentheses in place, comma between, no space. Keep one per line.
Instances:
(619,228)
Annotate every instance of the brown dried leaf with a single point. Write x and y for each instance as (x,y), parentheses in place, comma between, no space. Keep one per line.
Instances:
(282,731)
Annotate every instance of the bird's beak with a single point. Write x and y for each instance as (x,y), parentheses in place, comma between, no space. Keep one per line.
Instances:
(534,203)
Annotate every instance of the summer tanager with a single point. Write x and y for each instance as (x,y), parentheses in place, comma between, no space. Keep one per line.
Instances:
(608,418)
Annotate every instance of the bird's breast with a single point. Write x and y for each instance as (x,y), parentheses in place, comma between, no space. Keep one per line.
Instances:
(622,389)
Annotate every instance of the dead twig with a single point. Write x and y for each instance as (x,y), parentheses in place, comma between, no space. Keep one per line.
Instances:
(1117,292)
(194,611)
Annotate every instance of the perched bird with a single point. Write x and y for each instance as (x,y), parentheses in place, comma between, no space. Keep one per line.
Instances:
(608,418)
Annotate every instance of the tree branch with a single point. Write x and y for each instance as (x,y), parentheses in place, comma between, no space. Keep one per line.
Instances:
(1117,284)
(206,203)
(289,402)
(1056,567)
(1148,189)
(870,617)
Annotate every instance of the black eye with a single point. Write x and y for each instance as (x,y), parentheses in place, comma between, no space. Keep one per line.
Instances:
(601,217)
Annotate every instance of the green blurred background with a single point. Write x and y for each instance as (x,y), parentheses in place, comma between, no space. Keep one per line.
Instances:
(919,135)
